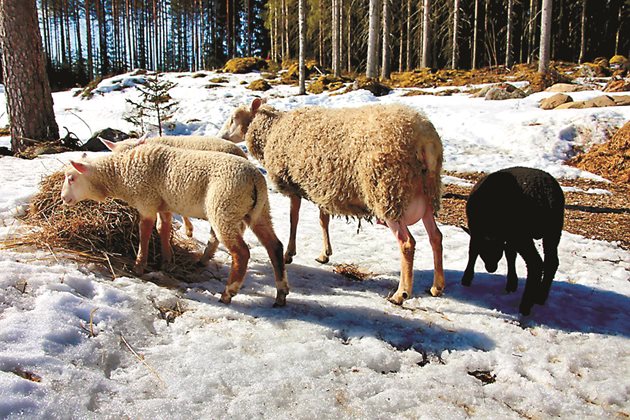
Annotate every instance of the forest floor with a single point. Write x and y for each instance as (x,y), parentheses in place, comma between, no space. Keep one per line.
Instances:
(596,216)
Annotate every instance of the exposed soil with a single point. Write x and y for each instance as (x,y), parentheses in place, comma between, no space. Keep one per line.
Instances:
(596,216)
(610,159)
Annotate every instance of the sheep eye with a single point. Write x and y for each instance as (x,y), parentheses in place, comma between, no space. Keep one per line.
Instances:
(70,178)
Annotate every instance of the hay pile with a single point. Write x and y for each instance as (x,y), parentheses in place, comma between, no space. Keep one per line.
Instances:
(611,159)
(104,233)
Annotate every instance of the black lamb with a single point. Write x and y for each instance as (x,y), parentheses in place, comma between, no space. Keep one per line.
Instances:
(506,211)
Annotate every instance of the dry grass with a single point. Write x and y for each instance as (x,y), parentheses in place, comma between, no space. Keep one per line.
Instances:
(352,271)
(103,233)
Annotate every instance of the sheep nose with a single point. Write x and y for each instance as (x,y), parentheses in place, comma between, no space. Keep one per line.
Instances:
(66,200)
(491,267)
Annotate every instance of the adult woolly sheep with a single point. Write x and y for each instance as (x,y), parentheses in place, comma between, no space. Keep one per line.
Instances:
(226,190)
(506,211)
(376,160)
(205,143)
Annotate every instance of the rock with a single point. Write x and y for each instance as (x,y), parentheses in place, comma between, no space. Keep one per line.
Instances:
(617,62)
(554,101)
(260,85)
(593,70)
(111,134)
(566,87)
(244,65)
(572,105)
(372,85)
(504,91)
(622,85)
(621,100)
(5,151)
(600,102)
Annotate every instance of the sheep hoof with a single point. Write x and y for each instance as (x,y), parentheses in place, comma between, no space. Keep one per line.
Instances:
(435,292)
(138,269)
(322,259)
(288,259)
(225,298)
(281,299)
(396,299)
(525,309)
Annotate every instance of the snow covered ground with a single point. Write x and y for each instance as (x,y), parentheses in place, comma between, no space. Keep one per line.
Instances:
(339,349)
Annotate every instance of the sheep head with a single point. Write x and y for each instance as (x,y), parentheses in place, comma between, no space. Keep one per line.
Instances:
(490,250)
(235,128)
(78,185)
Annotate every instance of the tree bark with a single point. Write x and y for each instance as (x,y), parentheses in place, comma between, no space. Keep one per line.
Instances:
(426,29)
(545,36)
(408,46)
(582,33)
(372,39)
(475,32)
(302,35)
(336,68)
(455,49)
(386,58)
(29,100)
(508,36)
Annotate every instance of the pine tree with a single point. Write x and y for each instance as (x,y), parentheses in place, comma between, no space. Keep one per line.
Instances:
(155,106)
(29,100)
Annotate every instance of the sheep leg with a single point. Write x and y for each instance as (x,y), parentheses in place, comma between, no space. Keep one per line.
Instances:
(146,227)
(550,266)
(188,225)
(324,220)
(240,256)
(211,248)
(296,201)
(512,277)
(165,226)
(469,272)
(435,238)
(407,245)
(534,263)
(267,237)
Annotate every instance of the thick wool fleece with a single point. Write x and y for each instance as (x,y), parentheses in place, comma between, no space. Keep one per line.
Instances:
(222,188)
(204,143)
(365,161)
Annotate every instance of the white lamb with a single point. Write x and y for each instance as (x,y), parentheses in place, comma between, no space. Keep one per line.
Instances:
(204,143)
(226,190)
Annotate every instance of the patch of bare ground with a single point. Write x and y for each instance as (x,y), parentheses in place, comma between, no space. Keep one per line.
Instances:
(596,216)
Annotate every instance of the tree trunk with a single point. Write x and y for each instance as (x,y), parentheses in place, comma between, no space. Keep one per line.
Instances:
(426,29)
(302,35)
(372,39)
(408,46)
(455,56)
(475,32)
(508,36)
(29,100)
(582,33)
(335,38)
(545,36)
(386,58)
(533,12)
(320,33)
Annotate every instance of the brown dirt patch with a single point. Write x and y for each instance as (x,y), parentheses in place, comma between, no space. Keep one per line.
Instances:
(610,159)
(596,216)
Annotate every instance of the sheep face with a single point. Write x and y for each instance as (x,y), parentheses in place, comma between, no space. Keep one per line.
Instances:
(235,128)
(491,251)
(77,185)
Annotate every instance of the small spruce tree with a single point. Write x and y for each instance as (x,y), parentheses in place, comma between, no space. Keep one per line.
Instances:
(155,105)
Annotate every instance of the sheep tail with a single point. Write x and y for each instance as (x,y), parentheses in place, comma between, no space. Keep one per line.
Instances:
(429,154)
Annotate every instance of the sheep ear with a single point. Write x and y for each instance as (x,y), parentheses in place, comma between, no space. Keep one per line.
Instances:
(256,103)
(109,144)
(80,167)
(465,229)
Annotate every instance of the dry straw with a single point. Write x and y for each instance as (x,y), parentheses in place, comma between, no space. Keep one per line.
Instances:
(104,233)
